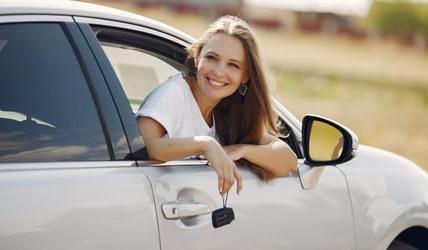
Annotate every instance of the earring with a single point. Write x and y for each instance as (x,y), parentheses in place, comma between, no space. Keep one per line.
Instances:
(243,89)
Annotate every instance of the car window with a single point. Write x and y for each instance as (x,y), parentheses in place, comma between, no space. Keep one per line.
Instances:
(46,109)
(138,71)
(141,62)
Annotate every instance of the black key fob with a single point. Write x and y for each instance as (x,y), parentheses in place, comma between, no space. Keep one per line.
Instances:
(222,216)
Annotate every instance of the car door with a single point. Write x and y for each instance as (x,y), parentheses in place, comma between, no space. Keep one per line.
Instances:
(62,185)
(308,209)
(276,215)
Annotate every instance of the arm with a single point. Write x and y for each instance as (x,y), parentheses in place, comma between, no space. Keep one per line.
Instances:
(272,154)
(166,149)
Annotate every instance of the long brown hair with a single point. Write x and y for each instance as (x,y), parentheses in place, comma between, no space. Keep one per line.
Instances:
(240,119)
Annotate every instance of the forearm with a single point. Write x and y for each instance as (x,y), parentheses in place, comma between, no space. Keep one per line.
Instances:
(275,157)
(166,149)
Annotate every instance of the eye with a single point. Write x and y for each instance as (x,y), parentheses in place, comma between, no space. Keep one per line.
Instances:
(234,65)
(210,57)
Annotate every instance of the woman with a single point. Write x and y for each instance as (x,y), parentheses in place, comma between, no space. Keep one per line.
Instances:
(219,110)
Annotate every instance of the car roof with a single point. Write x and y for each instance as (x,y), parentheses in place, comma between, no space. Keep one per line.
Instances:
(74,8)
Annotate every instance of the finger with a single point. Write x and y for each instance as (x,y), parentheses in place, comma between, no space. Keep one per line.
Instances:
(230,177)
(220,176)
(238,180)
(226,185)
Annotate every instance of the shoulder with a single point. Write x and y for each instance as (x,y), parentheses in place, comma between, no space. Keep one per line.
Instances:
(163,104)
(173,84)
(172,90)
(164,97)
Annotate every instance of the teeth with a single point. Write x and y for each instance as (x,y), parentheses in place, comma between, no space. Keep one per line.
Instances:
(216,83)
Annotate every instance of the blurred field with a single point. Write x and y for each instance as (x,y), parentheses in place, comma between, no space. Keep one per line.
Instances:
(378,89)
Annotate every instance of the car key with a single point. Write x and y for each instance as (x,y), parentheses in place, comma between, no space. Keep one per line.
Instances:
(222,216)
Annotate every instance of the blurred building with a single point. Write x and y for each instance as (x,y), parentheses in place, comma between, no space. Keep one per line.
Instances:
(327,16)
(208,8)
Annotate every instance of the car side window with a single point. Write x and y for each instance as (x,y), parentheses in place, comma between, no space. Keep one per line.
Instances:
(138,71)
(141,62)
(46,109)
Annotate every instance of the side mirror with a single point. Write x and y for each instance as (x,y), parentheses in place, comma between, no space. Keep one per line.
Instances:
(326,142)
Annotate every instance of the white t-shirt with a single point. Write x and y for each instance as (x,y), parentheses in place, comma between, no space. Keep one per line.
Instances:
(173,105)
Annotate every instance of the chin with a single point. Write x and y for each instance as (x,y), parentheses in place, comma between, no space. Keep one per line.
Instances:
(219,94)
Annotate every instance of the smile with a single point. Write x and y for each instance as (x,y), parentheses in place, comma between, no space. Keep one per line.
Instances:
(216,83)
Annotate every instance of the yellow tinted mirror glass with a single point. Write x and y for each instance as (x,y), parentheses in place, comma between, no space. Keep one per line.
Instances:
(325,143)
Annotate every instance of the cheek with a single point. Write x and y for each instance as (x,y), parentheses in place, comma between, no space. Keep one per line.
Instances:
(236,76)
(205,65)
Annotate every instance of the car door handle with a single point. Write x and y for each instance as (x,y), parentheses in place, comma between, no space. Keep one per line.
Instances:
(180,209)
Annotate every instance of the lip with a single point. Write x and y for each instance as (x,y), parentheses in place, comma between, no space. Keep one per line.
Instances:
(215,83)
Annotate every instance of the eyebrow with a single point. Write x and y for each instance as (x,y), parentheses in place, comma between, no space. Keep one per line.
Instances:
(234,60)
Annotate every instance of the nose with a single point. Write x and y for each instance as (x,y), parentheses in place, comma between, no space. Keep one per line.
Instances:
(219,70)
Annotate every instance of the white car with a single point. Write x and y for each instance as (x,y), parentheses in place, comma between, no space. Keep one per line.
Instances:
(74,173)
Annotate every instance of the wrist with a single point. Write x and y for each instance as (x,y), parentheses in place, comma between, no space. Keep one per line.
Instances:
(245,149)
(205,143)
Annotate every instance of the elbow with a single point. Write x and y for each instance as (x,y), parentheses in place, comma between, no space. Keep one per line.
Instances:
(289,165)
(293,162)
(155,154)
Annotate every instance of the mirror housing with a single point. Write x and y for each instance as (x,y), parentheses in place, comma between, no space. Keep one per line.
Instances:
(326,142)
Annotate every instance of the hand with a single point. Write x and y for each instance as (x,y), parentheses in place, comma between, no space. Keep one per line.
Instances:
(236,151)
(226,169)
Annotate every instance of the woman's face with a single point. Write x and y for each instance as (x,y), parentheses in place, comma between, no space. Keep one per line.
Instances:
(222,66)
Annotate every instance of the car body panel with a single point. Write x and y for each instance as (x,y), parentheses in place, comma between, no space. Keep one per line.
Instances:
(34,18)
(389,194)
(76,205)
(276,215)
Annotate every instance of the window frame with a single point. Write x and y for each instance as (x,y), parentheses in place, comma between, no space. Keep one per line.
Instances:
(142,41)
(135,140)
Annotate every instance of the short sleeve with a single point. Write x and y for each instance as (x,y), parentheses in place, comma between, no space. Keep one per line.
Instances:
(163,105)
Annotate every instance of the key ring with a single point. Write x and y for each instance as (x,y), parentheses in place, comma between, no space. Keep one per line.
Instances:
(225,200)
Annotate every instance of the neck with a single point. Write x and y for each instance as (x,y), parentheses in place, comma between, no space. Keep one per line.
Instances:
(206,105)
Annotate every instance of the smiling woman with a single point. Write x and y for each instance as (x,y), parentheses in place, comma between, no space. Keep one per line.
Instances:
(220,71)
(225,112)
